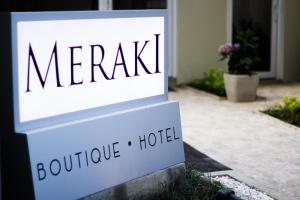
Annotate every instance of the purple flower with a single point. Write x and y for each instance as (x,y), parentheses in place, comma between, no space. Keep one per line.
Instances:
(236,45)
(225,49)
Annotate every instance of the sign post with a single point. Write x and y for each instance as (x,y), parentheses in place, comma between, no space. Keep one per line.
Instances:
(85,102)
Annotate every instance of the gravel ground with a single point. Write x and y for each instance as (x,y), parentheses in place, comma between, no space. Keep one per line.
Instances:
(241,189)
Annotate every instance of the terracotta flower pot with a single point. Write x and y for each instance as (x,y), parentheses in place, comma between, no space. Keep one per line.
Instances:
(240,87)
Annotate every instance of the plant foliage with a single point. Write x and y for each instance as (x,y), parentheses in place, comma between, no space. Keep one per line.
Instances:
(196,186)
(288,110)
(212,82)
(243,55)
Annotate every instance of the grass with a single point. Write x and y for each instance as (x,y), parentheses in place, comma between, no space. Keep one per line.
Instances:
(195,186)
(212,82)
(288,110)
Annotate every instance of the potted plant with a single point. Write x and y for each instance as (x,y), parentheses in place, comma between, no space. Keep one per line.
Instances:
(240,81)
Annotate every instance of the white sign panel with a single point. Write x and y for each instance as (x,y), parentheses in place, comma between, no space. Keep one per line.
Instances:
(68,163)
(70,65)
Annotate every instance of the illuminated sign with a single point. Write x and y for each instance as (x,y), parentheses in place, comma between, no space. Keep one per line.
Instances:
(70,65)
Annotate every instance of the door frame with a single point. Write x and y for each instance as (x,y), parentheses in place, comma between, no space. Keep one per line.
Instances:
(105,5)
(277,38)
(172,6)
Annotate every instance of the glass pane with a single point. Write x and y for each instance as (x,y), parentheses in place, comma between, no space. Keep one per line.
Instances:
(255,15)
(139,4)
(47,5)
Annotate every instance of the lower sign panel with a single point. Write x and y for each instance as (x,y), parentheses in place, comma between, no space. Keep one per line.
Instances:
(76,159)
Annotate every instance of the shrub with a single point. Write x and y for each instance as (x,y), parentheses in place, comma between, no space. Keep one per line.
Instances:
(288,111)
(212,82)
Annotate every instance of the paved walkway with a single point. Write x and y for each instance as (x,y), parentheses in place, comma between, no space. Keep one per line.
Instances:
(262,151)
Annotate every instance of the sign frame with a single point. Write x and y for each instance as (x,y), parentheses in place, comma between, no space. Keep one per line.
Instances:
(147,139)
(40,16)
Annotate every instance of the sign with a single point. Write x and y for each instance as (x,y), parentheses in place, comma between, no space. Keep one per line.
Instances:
(87,94)
(68,163)
(69,65)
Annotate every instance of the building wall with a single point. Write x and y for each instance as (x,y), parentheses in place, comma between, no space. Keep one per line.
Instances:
(291,62)
(201,29)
